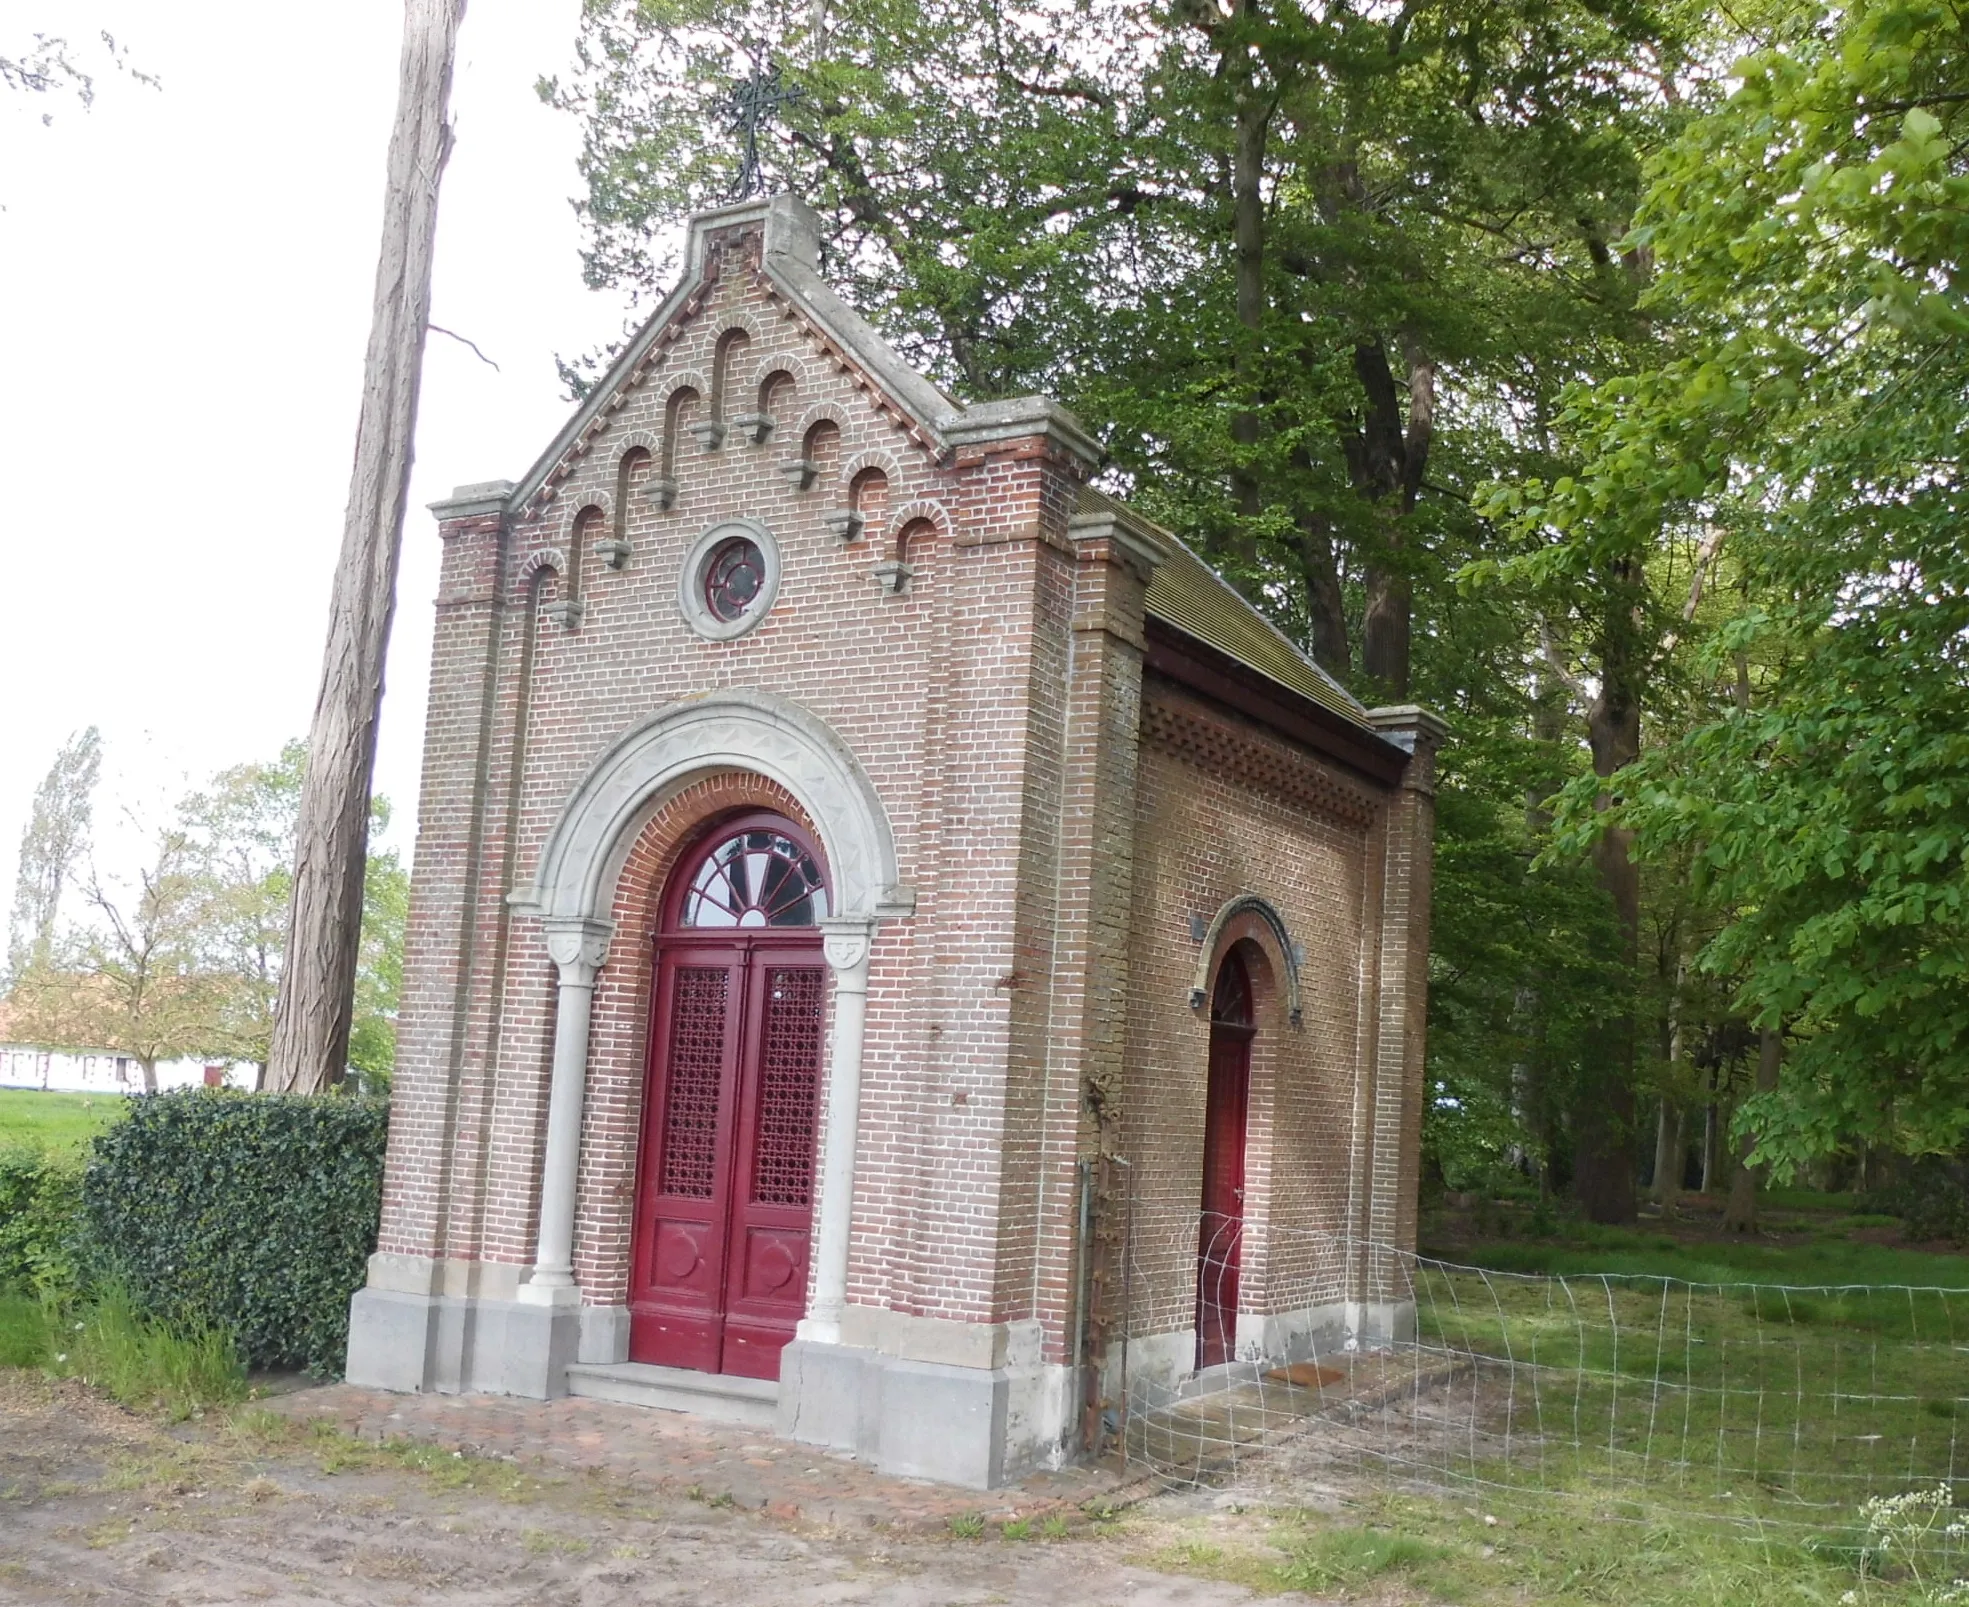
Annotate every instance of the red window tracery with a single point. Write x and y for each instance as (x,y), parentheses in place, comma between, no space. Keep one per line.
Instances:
(733,577)
(755,878)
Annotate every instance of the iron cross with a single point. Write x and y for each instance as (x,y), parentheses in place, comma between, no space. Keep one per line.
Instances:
(754,104)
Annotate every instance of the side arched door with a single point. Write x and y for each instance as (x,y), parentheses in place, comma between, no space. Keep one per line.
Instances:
(724,1199)
(1220,1239)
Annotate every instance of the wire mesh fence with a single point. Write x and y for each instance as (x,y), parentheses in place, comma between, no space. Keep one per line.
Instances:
(1746,1402)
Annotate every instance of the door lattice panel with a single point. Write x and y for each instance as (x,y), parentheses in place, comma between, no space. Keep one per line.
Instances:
(697,1063)
(789,1086)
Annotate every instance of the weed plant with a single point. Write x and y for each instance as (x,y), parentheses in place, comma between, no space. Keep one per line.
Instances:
(174,1371)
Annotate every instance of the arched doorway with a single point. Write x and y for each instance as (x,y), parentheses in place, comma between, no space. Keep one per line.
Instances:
(724,1189)
(1220,1240)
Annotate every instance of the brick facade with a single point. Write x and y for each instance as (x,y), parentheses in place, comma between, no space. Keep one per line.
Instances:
(1064,816)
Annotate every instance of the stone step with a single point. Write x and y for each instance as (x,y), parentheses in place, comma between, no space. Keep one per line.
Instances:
(752,1401)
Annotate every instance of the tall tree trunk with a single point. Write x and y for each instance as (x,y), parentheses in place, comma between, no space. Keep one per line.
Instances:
(1326,603)
(1710,1126)
(312,1014)
(1668,1157)
(1740,1213)
(1603,1113)
(1668,1120)
(149,1069)
(1388,459)
(1252,127)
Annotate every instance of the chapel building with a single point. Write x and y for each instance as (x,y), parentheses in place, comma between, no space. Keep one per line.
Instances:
(896,942)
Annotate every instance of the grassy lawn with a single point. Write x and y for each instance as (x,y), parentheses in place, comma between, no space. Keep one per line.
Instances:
(64,1122)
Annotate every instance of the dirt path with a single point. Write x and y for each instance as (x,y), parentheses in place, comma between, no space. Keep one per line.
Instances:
(97,1506)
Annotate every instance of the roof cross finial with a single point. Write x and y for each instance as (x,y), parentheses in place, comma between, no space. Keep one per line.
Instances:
(750,107)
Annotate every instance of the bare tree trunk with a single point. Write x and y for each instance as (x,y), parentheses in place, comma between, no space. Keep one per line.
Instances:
(1740,1214)
(149,1069)
(1668,1120)
(1668,1157)
(1709,1127)
(312,1014)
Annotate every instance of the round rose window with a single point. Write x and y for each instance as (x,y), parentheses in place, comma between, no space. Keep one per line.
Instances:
(733,579)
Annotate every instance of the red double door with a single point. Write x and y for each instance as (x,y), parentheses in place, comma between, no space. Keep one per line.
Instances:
(725,1190)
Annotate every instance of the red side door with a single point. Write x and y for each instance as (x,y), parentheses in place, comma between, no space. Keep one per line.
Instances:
(725,1189)
(1221,1234)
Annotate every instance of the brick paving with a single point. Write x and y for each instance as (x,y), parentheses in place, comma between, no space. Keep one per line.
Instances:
(678,1454)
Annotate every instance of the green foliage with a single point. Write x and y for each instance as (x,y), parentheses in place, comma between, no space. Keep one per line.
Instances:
(27,1330)
(175,1369)
(40,1219)
(1808,415)
(1931,1197)
(254,1214)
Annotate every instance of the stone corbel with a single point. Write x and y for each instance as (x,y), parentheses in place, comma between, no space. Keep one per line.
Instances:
(800,473)
(710,433)
(755,427)
(893,576)
(613,551)
(565,611)
(662,490)
(844,522)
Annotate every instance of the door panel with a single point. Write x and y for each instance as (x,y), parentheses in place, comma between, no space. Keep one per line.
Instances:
(677,1279)
(1221,1235)
(725,1197)
(772,1207)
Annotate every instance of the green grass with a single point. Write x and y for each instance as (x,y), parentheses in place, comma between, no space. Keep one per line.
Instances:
(27,1331)
(1640,1253)
(1344,1559)
(168,1370)
(61,1122)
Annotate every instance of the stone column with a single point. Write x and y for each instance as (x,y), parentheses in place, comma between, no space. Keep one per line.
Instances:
(846,945)
(577,948)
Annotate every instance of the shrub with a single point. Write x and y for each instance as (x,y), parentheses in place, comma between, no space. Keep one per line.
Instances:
(251,1213)
(1930,1196)
(40,1219)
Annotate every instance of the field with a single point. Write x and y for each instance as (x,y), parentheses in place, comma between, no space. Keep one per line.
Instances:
(1666,1415)
(64,1122)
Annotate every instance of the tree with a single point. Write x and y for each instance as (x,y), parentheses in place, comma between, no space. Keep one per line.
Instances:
(56,838)
(1811,240)
(241,828)
(130,977)
(312,1013)
(48,65)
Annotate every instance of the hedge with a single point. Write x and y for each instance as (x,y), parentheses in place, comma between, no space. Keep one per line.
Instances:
(40,1220)
(251,1212)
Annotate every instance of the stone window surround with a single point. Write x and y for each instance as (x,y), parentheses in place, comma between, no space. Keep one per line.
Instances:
(690,580)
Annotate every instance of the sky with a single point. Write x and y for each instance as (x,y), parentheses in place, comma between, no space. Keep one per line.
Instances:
(185,279)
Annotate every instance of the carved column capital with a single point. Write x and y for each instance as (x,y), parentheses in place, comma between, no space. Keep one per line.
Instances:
(578,947)
(845,941)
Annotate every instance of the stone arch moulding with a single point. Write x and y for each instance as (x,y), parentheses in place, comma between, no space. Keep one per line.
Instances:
(578,505)
(791,364)
(540,558)
(921,511)
(873,458)
(1263,909)
(734,730)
